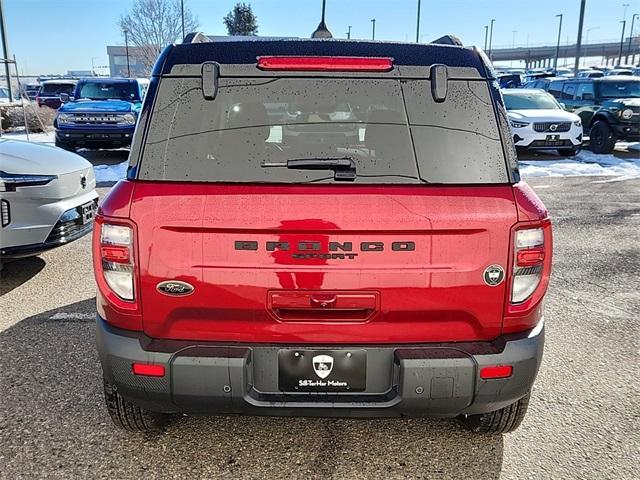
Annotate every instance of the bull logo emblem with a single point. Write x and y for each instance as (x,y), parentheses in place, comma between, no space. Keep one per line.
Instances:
(493,275)
(322,365)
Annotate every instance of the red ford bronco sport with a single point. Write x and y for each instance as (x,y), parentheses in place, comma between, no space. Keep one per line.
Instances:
(321,227)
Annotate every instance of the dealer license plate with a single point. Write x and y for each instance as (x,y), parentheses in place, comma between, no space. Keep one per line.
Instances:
(322,370)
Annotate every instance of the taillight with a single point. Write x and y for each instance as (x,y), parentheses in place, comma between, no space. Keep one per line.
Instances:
(116,255)
(528,263)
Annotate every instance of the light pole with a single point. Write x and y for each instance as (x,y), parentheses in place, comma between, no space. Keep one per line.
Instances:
(624,24)
(586,41)
(322,31)
(513,42)
(126,49)
(373,29)
(182,15)
(349,33)
(579,39)
(491,38)
(5,52)
(418,24)
(633,21)
(555,62)
(486,36)
(624,11)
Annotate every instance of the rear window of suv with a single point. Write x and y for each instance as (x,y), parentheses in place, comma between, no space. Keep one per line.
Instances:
(391,128)
(55,89)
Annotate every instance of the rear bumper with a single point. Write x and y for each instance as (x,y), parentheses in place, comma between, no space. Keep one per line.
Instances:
(408,380)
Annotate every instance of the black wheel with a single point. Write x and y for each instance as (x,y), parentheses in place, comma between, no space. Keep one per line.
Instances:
(65,146)
(130,417)
(505,420)
(601,137)
(568,152)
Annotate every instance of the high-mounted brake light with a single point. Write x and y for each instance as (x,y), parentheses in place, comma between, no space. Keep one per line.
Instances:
(315,64)
(116,244)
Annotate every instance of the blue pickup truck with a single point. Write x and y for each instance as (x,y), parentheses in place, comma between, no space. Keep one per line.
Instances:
(102,113)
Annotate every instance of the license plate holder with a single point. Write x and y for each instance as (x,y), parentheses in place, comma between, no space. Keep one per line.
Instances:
(322,371)
(553,140)
(87,212)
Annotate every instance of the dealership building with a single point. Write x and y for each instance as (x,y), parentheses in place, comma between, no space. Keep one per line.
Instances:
(118,62)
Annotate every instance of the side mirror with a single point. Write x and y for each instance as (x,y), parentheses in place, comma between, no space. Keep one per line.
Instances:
(564,107)
(64,98)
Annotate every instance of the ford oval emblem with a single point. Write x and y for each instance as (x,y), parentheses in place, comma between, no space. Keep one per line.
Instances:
(175,288)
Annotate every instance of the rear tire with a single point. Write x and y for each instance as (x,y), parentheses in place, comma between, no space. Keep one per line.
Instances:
(602,139)
(568,152)
(130,417)
(505,420)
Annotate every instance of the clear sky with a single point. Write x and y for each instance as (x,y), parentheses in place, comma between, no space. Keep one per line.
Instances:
(53,36)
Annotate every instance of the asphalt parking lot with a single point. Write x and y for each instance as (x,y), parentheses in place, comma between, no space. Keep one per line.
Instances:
(583,420)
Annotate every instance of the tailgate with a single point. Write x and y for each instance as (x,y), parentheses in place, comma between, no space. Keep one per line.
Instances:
(322,264)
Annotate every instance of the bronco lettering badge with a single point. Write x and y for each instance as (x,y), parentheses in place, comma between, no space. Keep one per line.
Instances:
(308,249)
(175,288)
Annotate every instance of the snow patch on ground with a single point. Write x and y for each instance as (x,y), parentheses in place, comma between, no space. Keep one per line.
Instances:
(21,134)
(586,163)
(110,173)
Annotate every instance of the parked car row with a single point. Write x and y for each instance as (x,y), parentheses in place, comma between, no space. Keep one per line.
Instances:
(608,107)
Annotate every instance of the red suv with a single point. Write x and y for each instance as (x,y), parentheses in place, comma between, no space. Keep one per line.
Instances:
(387,262)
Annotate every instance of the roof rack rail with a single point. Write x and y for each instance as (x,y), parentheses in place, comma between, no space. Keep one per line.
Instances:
(447,40)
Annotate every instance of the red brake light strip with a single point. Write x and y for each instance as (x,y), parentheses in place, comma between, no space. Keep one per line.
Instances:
(344,64)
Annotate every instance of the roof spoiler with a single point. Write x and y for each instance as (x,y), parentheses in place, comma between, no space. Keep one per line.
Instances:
(447,40)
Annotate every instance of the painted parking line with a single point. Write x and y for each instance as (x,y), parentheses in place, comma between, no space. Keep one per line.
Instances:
(72,316)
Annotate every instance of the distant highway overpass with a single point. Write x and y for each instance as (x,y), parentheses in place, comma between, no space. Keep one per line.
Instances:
(544,56)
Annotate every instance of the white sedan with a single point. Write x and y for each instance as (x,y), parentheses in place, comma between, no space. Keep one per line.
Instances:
(538,122)
(47,198)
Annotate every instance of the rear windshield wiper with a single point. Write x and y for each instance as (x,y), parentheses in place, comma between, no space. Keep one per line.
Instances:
(344,168)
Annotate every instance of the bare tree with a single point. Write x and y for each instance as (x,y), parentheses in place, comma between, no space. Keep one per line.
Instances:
(153,24)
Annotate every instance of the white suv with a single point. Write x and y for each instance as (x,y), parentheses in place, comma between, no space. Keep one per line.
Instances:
(47,198)
(538,122)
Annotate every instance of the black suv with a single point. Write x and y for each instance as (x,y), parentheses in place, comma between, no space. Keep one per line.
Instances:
(609,108)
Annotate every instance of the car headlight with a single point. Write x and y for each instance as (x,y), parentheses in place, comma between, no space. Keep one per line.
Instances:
(516,124)
(626,114)
(577,123)
(10,181)
(64,118)
(128,119)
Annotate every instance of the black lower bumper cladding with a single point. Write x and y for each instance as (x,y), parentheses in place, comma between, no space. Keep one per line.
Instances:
(409,380)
